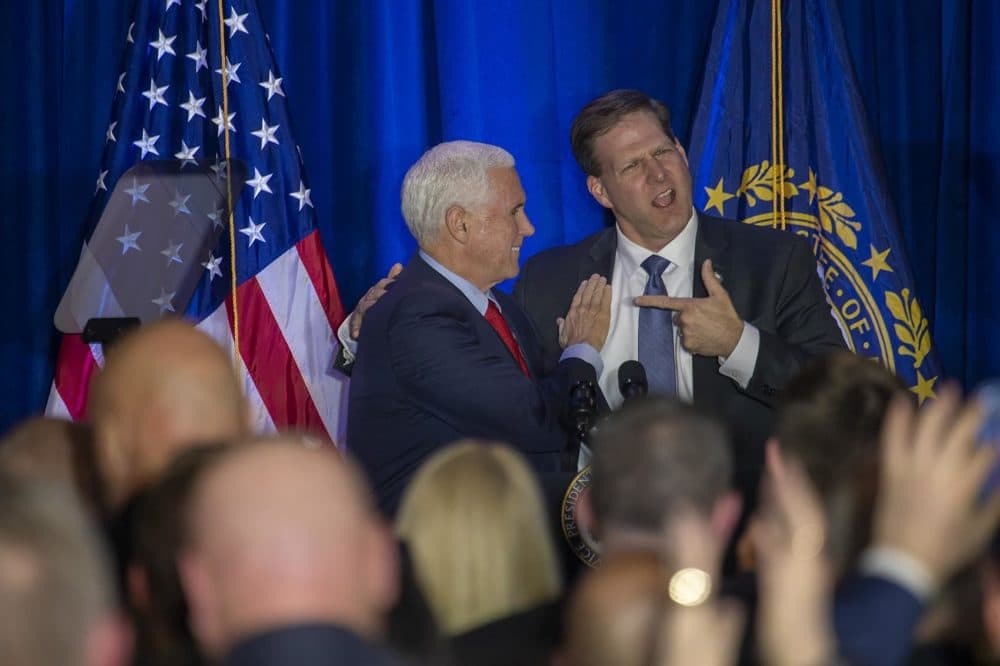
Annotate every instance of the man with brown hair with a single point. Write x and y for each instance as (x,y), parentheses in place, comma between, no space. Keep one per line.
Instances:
(652,460)
(829,419)
(720,314)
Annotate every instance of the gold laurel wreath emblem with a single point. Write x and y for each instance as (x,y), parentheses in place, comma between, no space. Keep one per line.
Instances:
(911,326)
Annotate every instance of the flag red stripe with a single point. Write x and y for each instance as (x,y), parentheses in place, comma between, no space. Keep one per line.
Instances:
(74,368)
(320,274)
(270,363)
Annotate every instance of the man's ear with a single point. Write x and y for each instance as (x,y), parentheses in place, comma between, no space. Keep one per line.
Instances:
(203,602)
(596,188)
(456,223)
(725,515)
(382,570)
(585,514)
(109,641)
(114,461)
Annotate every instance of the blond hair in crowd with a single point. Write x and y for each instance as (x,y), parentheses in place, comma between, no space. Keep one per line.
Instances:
(474,520)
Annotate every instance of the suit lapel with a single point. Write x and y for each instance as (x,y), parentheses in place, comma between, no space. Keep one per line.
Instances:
(710,243)
(601,257)
(488,337)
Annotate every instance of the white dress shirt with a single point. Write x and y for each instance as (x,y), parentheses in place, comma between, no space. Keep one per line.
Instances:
(628,280)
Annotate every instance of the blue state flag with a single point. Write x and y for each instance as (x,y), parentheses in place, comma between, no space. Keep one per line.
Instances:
(780,139)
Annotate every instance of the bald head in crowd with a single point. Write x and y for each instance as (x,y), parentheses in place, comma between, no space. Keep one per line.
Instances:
(612,612)
(281,535)
(164,388)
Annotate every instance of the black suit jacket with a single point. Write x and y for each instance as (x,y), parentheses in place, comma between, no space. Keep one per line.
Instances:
(528,638)
(431,370)
(771,278)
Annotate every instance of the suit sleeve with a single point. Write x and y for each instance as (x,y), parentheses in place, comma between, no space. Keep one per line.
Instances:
(342,362)
(874,620)
(441,363)
(805,327)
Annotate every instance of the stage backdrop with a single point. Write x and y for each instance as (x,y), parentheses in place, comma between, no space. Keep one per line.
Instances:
(372,84)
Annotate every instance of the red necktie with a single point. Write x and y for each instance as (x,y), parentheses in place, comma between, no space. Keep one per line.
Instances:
(499,325)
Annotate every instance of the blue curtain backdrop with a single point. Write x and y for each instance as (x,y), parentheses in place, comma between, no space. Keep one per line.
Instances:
(372,84)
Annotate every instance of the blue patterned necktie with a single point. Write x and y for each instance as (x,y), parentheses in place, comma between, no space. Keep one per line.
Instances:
(656,332)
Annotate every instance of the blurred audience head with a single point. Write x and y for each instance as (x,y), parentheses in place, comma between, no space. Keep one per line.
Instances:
(280,534)
(651,459)
(57,599)
(156,536)
(165,387)
(474,521)
(829,419)
(55,450)
(613,611)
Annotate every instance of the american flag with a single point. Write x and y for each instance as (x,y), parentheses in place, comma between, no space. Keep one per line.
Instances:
(168,104)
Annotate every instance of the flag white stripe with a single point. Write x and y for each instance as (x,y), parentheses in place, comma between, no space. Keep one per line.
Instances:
(56,408)
(302,319)
(217,326)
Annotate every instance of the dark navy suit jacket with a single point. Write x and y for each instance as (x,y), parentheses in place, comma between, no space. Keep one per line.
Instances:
(874,619)
(431,370)
(308,645)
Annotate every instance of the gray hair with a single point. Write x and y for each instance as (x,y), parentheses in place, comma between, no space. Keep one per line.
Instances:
(449,174)
(55,579)
(654,456)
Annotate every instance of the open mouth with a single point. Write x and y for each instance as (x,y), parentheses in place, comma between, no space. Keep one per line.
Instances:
(665,199)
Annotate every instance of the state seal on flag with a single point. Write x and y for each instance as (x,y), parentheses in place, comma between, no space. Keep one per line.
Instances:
(879,318)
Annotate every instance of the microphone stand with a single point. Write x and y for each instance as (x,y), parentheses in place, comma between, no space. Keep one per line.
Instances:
(582,412)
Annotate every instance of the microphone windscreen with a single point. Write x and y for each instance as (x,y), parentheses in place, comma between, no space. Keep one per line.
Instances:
(632,379)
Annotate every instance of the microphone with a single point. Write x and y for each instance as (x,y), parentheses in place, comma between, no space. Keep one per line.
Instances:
(581,416)
(632,380)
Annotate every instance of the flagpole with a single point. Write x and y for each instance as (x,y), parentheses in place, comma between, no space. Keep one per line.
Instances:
(777,120)
(781,111)
(237,360)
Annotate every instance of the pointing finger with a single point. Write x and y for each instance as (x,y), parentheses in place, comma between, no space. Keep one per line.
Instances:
(663,302)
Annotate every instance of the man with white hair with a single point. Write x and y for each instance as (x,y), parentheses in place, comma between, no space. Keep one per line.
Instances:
(443,355)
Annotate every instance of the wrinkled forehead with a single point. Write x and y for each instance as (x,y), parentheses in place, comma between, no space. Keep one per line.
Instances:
(631,136)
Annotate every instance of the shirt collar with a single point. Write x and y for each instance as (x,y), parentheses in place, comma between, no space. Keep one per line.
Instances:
(479,300)
(679,251)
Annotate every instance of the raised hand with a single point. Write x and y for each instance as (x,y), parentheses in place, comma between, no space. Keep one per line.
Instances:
(589,315)
(708,326)
(932,476)
(795,574)
(697,628)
